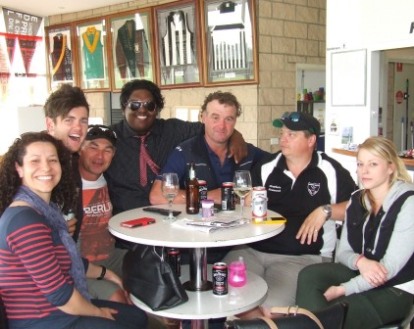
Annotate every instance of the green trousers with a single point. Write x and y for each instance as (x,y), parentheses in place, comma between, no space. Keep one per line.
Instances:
(369,309)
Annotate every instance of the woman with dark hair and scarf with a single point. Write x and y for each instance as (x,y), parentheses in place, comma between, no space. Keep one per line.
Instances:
(42,276)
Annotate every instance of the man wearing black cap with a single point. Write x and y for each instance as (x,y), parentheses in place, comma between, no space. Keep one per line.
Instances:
(310,190)
(95,242)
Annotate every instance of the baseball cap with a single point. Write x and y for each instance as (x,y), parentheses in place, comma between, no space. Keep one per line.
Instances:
(298,121)
(101,131)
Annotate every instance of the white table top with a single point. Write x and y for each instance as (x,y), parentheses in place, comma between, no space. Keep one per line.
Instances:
(205,305)
(163,233)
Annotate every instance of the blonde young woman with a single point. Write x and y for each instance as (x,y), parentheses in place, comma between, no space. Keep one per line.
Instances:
(375,258)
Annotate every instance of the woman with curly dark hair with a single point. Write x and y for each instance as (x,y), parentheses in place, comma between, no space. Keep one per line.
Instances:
(42,276)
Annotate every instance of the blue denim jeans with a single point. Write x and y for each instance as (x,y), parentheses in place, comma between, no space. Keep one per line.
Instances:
(128,317)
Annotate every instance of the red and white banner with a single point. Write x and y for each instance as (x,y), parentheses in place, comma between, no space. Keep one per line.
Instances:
(22,28)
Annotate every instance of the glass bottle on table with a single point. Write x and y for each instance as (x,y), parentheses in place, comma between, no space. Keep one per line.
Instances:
(242,187)
(170,187)
(192,192)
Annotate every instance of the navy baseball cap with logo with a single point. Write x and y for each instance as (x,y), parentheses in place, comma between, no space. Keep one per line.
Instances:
(299,121)
(101,131)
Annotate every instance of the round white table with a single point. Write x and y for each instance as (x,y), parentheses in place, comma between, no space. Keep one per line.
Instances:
(202,304)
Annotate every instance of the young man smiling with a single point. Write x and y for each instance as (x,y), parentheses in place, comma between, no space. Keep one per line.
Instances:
(67,113)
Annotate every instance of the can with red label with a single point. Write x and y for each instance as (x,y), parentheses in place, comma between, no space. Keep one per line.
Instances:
(174,259)
(202,188)
(220,279)
(227,196)
(259,203)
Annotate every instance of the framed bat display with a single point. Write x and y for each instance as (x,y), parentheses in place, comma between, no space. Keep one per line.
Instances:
(230,43)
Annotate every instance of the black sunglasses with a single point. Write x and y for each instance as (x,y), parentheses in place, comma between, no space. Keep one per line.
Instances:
(296,117)
(136,105)
(292,116)
(96,131)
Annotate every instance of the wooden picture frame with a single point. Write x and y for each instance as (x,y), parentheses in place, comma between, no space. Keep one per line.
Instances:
(132,48)
(231,52)
(93,62)
(61,56)
(178,44)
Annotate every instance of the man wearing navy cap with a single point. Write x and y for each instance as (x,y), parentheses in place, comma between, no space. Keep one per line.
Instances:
(310,190)
(94,241)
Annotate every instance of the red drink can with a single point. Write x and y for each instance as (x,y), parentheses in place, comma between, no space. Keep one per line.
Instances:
(227,196)
(174,259)
(259,203)
(220,279)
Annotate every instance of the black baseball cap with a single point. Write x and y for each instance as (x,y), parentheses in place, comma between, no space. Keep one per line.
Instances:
(299,121)
(101,131)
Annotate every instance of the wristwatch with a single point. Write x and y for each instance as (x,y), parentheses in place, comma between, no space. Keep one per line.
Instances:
(327,209)
(103,272)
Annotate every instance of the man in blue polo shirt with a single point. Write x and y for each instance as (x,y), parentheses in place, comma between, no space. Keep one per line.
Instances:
(209,151)
(311,191)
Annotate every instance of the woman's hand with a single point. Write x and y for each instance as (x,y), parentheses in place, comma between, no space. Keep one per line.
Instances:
(71,224)
(334,292)
(111,276)
(107,313)
(372,271)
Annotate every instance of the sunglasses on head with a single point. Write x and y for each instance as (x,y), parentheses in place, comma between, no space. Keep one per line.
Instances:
(291,116)
(295,117)
(101,130)
(136,105)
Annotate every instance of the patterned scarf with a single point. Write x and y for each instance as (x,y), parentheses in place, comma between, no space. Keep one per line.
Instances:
(55,219)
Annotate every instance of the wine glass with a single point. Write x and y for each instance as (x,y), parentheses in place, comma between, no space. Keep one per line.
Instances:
(242,186)
(170,187)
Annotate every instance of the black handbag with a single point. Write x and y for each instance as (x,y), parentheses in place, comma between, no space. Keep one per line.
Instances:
(148,276)
(332,317)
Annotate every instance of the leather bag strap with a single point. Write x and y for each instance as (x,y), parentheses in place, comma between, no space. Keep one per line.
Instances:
(294,310)
(269,322)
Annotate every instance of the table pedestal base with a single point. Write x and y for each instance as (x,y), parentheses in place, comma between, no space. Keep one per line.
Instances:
(198,271)
(199,324)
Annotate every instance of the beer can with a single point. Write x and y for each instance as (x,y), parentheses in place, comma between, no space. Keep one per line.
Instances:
(174,259)
(259,203)
(220,279)
(202,188)
(227,196)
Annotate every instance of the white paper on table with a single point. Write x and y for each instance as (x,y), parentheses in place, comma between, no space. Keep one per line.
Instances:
(213,224)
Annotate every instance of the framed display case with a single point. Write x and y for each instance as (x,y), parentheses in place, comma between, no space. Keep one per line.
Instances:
(60,55)
(231,50)
(132,55)
(92,55)
(178,43)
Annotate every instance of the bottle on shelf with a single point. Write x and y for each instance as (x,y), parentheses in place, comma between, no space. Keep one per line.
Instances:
(192,192)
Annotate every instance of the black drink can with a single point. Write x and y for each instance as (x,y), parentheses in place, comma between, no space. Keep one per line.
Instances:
(174,259)
(227,196)
(220,279)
